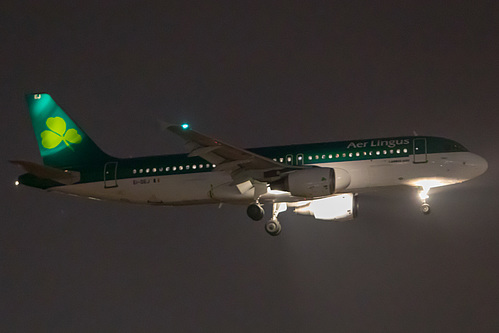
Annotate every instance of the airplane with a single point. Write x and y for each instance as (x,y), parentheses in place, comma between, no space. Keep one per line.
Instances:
(322,180)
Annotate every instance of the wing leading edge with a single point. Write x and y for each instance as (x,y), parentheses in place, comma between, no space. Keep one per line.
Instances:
(236,161)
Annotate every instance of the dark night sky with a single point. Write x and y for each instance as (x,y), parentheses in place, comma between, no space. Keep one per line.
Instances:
(251,74)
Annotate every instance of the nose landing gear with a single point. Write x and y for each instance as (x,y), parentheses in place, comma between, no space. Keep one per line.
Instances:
(423,194)
(425,208)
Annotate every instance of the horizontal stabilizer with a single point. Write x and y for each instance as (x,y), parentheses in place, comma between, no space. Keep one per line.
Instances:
(61,176)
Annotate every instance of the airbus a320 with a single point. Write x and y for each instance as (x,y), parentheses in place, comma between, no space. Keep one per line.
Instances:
(320,180)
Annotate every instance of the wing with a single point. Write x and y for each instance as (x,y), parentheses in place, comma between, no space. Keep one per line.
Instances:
(240,163)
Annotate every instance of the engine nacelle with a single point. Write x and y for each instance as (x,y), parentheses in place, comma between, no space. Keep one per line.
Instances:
(314,182)
(341,207)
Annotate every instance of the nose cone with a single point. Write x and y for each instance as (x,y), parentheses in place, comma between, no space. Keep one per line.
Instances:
(478,164)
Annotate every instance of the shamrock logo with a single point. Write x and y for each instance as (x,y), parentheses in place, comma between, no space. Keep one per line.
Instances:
(58,134)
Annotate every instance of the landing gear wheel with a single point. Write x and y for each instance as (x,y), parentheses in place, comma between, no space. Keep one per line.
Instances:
(273,227)
(255,212)
(425,208)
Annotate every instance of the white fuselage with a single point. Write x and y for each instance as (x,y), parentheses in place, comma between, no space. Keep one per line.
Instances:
(217,186)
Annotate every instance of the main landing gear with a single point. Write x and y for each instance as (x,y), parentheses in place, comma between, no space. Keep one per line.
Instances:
(272,227)
(423,194)
(255,211)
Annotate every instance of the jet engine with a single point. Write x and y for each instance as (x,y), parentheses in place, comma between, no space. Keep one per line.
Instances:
(313,183)
(341,207)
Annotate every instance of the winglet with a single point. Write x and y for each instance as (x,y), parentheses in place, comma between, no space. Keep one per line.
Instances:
(168,126)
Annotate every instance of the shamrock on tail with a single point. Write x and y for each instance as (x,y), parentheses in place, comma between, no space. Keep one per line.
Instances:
(58,134)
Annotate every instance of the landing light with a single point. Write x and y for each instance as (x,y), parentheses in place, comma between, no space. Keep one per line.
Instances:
(17,183)
(426,185)
(185,126)
(429,183)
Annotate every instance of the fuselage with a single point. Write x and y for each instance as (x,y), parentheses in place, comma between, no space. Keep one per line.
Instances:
(181,180)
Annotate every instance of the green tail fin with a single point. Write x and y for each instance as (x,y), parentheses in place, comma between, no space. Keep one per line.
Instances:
(62,143)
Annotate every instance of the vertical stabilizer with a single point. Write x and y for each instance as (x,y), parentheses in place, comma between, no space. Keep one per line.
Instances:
(62,143)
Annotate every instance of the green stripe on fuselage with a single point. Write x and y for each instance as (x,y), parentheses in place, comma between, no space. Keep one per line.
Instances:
(320,153)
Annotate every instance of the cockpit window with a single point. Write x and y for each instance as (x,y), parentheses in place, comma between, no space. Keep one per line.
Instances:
(454,146)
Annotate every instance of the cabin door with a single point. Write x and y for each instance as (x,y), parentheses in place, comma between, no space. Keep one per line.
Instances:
(420,155)
(110,171)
